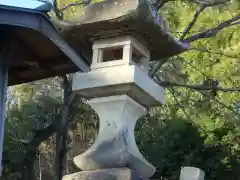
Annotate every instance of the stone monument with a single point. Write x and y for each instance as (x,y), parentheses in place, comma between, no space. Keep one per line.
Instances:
(114,33)
(191,173)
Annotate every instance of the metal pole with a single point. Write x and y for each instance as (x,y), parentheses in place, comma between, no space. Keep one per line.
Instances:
(3,95)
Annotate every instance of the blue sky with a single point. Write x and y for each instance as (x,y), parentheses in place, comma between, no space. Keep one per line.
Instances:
(21,3)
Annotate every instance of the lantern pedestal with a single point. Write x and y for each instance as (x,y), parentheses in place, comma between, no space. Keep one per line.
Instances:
(106,174)
(115,145)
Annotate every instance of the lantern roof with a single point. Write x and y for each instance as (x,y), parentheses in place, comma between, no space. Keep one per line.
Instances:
(33,47)
(113,18)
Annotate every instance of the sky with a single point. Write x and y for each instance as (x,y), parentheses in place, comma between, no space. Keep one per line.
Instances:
(21,3)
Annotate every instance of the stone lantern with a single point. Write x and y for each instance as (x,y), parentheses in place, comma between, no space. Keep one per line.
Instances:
(120,36)
(120,91)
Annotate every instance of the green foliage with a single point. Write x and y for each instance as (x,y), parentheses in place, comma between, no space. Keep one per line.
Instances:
(72,11)
(168,146)
(177,142)
(25,113)
(26,116)
(215,118)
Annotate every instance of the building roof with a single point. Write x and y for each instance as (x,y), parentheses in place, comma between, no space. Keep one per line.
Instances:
(33,47)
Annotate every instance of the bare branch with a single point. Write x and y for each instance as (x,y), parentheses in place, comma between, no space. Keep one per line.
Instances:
(156,67)
(210,3)
(212,52)
(160,3)
(213,31)
(203,5)
(84,2)
(215,99)
(236,23)
(185,112)
(198,87)
(200,9)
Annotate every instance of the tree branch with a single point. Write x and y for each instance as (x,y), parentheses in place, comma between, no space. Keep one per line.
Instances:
(213,31)
(212,52)
(203,5)
(185,112)
(200,9)
(216,100)
(198,87)
(61,135)
(160,3)
(156,66)
(236,23)
(210,3)
(83,2)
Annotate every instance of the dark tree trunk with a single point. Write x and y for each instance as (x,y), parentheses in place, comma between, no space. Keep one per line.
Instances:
(61,138)
(29,158)
(60,128)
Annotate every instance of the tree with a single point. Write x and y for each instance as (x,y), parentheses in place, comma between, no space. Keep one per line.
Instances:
(44,116)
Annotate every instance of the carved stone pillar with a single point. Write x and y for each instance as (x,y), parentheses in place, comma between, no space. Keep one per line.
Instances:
(115,146)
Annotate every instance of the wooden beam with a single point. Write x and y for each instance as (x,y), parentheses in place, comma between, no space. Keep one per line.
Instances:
(46,65)
(29,76)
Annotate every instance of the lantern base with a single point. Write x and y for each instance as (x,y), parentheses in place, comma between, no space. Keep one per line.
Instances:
(115,145)
(106,174)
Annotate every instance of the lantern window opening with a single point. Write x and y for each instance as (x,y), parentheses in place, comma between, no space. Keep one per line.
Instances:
(112,54)
(140,60)
(136,56)
(120,51)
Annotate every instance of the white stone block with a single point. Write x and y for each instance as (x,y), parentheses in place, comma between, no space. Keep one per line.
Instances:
(191,173)
(119,80)
(131,52)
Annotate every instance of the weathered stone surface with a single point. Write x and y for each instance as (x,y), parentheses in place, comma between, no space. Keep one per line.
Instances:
(115,146)
(191,173)
(111,18)
(119,80)
(106,174)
